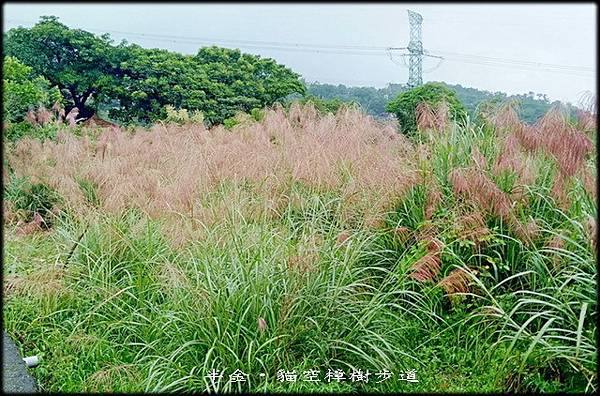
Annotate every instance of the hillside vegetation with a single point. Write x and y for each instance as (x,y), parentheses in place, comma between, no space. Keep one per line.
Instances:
(531,106)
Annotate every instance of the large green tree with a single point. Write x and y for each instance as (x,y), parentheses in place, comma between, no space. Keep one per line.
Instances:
(79,63)
(152,79)
(136,84)
(219,82)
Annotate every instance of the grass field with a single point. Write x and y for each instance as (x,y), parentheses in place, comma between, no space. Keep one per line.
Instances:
(463,258)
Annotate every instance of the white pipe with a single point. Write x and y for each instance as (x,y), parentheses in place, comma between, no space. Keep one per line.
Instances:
(31,361)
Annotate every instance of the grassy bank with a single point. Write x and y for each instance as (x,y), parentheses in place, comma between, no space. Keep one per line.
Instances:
(307,242)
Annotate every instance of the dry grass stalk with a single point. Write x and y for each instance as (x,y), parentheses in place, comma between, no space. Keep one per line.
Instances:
(402,233)
(528,232)
(302,263)
(478,158)
(504,118)
(171,277)
(568,146)
(591,229)
(434,245)
(560,189)
(434,199)
(431,118)
(45,281)
(456,282)
(472,227)
(427,232)
(589,182)
(37,224)
(478,188)
(342,237)
(586,121)
(104,380)
(557,242)
(168,170)
(426,268)
(262,325)
(475,186)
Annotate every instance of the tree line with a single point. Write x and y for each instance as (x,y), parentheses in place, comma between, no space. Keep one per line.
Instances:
(375,100)
(136,84)
(54,66)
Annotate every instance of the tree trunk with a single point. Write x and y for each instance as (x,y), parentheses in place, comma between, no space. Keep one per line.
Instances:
(79,102)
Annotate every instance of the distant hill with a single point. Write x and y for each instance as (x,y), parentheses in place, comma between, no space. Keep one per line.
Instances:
(374,100)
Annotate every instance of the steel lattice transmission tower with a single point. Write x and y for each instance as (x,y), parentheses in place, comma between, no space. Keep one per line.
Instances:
(415,48)
(415,52)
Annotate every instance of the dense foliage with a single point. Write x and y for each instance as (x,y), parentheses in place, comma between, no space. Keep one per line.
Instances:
(532,106)
(373,100)
(25,98)
(405,105)
(323,106)
(218,82)
(137,83)
(77,62)
(23,91)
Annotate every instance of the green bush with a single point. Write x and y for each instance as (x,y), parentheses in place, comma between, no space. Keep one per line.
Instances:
(325,106)
(17,130)
(257,114)
(182,116)
(405,104)
(230,122)
(30,198)
(23,91)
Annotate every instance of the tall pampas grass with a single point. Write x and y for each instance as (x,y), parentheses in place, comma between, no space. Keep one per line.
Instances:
(171,171)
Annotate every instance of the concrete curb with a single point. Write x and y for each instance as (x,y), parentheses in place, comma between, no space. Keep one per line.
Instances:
(15,377)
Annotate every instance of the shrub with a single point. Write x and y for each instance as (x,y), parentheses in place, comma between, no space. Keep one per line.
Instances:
(30,198)
(326,106)
(23,91)
(404,106)
(257,114)
(182,116)
(19,130)
(230,122)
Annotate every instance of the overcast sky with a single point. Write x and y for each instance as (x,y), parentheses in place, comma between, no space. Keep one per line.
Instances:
(493,47)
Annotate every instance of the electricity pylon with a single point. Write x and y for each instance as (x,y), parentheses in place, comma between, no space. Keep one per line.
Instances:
(415,51)
(415,47)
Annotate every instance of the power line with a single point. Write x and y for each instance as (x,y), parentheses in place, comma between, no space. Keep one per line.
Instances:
(253,42)
(516,61)
(234,41)
(519,66)
(493,64)
(355,50)
(551,22)
(277,48)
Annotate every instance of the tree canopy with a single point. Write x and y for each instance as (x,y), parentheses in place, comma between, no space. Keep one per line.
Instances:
(137,83)
(219,82)
(404,106)
(374,100)
(23,90)
(77,62)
